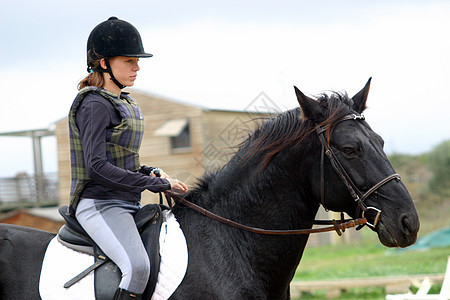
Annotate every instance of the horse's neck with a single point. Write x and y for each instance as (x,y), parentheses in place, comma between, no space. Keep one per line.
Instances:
(265,198)
(276,196)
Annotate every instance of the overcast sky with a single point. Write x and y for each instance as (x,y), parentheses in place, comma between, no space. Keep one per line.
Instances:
(223,54)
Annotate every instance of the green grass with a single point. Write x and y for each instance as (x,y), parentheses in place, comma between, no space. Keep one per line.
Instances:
(357,294)
(367,258)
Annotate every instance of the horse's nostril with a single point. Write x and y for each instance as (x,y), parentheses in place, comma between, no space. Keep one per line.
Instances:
(406,224)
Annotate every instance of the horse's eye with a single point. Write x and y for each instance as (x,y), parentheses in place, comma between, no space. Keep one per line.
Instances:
(348,150)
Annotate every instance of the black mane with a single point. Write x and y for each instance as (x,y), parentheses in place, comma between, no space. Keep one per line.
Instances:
(274,135)
(292,127)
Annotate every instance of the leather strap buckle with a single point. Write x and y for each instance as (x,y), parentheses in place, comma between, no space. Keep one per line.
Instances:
(377,217)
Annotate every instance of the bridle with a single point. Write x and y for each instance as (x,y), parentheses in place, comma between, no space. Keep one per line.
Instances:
(356,194)
(337,225)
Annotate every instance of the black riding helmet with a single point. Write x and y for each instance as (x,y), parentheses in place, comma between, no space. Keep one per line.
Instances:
(113,37)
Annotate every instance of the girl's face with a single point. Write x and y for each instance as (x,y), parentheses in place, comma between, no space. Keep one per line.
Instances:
(125,69)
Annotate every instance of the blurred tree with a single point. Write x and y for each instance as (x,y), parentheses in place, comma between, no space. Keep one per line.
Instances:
(438,161)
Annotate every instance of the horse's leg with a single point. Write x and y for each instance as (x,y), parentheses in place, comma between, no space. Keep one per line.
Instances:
(22,250)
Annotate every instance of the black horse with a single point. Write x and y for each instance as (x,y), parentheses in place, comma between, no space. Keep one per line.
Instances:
(276,180)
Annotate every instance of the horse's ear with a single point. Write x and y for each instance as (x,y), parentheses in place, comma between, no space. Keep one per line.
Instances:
(359,100)
(310,109)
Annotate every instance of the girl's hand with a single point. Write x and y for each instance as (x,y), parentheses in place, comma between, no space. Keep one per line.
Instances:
(177,185)
(159,173)
(164,175)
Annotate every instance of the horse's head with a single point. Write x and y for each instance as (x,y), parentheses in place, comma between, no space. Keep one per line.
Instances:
(365,172)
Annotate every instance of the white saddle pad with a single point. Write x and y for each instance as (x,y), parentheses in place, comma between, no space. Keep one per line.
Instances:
(62,264)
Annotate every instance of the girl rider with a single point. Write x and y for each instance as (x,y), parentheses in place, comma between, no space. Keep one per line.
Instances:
(106,128)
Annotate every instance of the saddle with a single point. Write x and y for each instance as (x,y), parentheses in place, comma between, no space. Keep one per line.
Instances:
(107,274)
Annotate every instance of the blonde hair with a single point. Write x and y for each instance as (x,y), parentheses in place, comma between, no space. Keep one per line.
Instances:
(93,79)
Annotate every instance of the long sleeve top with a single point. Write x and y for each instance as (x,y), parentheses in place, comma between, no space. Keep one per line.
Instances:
(95,115)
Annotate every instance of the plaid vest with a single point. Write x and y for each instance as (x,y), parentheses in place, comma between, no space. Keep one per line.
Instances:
(122,141)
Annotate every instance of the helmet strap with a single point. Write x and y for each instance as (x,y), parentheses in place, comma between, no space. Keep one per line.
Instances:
(109,70)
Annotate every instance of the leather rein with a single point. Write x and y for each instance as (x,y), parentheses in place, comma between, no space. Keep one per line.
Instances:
(337,225)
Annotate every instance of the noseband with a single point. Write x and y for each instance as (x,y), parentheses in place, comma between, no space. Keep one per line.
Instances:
(356,194)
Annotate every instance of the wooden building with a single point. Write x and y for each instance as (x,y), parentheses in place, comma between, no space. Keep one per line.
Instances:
(183,139)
